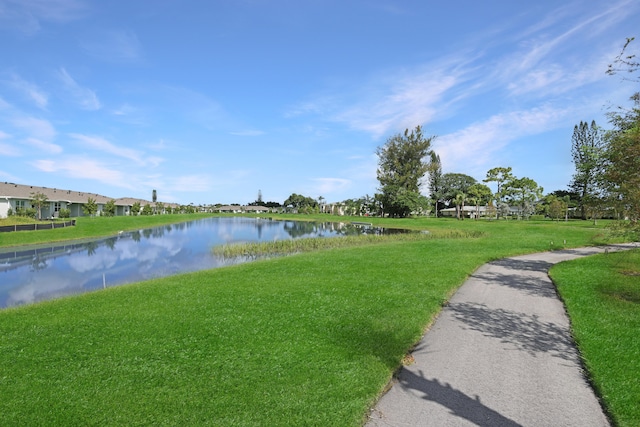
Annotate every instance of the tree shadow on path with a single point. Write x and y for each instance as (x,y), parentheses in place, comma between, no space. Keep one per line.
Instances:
(458,403)
(524,331)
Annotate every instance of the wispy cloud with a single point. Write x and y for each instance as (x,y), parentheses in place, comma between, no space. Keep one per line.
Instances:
(43,146)
(114,46)
(27,17)
(191,183)
(101,144)
(9,150)
(328,186)
(30,91)
(36,128)
(87,169)
(395,100)
(85,97)
(475,146)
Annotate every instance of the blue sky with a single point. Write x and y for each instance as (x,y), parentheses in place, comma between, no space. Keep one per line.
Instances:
(213,101)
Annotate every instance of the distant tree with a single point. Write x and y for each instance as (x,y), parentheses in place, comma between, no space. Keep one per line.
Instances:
(459,201)
(434,174)
(38,201)
(271,205)
(300,202)
(587,149)
(109,208)
(452,184)
(479,194)
(160,208)
(135,209)
(555,207)
(90,208)
(401,167)
(523,192)
(154,196)
(499,175)
(147,210)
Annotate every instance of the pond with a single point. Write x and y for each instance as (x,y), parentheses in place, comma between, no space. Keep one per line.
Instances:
(35,273)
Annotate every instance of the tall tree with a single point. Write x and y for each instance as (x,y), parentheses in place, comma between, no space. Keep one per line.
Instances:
(435,180)
(523,192)
(622,171)
(500,176)
(38,201)
(401,167)
(587,149)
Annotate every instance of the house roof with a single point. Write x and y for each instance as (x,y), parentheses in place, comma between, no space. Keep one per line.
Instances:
(19,191)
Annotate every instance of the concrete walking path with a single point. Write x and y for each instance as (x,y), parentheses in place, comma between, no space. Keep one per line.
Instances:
(500,354)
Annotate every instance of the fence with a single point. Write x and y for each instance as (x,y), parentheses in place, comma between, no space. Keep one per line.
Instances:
(36,226)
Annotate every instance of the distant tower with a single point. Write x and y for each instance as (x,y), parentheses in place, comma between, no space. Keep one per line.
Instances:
(259,200)
(154,196)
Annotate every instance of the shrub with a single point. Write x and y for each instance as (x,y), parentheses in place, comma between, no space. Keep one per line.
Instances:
(64,213)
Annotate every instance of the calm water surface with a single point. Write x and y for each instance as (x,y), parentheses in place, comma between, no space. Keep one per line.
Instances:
(31,274)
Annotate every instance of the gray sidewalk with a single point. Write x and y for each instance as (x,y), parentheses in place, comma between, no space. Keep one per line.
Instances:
(500,354)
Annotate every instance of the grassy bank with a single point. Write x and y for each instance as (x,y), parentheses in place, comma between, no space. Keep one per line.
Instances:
(602,295)
(87,227)
(309,339)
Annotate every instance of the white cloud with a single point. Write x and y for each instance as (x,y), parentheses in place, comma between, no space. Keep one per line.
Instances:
(101,144)
(398,99)
(475,146)
(30,90)
(86,98)
(9,150)
(43,146)
(327,186)
(27,16)
(191,183)
(87,169)
(36,128)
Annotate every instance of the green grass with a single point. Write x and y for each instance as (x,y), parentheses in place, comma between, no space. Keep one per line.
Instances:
(87,227)
(602,295)
(309,339)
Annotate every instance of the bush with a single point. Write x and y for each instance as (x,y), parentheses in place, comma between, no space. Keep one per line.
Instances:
(64,213)
(10,212)
(30,212)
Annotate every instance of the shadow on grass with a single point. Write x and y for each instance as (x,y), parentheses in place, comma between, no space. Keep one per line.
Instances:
(524,331)
(458,403)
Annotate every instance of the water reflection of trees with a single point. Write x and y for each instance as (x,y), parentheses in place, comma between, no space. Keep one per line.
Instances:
(301,229)
(111,242)
(38,263)
(91,248)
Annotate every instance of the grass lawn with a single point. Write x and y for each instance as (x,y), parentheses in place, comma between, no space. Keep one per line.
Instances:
(602,295)
(309,339)
(88,227)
